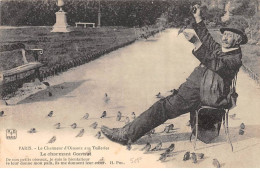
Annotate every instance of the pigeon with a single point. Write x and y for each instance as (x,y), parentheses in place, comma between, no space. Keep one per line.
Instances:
(168,128)
(158,95)
(52,140)
(170,149)
(157,147)
(106,98)
(81,132)
(186,156)
(32,130)
(194,158)
(186,23)
(119,115)
(150,132)
(232,116)
(104,114)
(49,93)
(2,113)
(94,125)
(73,126)
(50,114)
(200,155)
(182,29)
(86,116)
(242,126)
(241,132)
(98,135)
(216,163)
(46,83)
(133,115)
(127,120)
(174,91)
(163,157)
(147,147)
(57,125)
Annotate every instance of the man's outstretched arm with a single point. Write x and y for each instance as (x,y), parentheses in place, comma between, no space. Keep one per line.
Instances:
(203,33)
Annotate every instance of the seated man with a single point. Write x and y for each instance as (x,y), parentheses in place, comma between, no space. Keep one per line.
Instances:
(209,84)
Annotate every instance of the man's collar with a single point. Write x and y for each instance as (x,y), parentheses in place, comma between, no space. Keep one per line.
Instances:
(228,49)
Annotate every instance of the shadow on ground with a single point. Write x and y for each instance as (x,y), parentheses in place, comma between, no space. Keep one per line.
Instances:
(251,131)
(52,93)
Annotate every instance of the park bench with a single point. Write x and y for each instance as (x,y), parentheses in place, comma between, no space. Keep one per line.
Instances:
(14,78)
(85,24)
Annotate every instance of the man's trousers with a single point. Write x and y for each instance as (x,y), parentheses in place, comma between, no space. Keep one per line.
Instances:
(187,99)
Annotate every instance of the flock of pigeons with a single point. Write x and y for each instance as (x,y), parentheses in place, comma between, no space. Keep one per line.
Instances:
(148,147)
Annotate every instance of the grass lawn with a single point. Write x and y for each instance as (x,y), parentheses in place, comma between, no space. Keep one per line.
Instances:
(61,47)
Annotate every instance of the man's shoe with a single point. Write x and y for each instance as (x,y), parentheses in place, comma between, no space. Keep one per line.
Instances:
(115,134)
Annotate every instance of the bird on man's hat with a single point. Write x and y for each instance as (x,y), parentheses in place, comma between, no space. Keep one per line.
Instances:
(236,27)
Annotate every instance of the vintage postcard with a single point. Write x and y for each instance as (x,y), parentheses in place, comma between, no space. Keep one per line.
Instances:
(129,83)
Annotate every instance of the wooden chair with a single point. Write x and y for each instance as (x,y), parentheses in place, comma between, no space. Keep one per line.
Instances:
(13,78)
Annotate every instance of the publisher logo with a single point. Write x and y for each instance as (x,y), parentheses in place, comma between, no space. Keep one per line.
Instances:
(11,134)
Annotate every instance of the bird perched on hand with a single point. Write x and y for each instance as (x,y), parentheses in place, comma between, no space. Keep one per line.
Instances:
(57,125)
(127,120)
(216,163)
(133,115)
(157,147)
(186,156)
(147,147)
(119,116)
(32,130)
(104,114)
(2,113)
(85,116)
(106,98)
(50,114)
(232,116)
(242,126)
(73,126)
(94,125)
(81,132)
(52,140)
(194,158)
(186,23)
(98,135)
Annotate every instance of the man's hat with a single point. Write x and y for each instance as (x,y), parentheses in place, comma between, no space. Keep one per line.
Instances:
(238,28)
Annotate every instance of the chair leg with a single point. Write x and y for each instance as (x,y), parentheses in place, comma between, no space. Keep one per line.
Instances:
(224,123)
(196,128)
(227,131)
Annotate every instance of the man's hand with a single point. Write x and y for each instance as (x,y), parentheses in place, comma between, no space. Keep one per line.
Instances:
(196,13)
(189,36)
(192,37)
